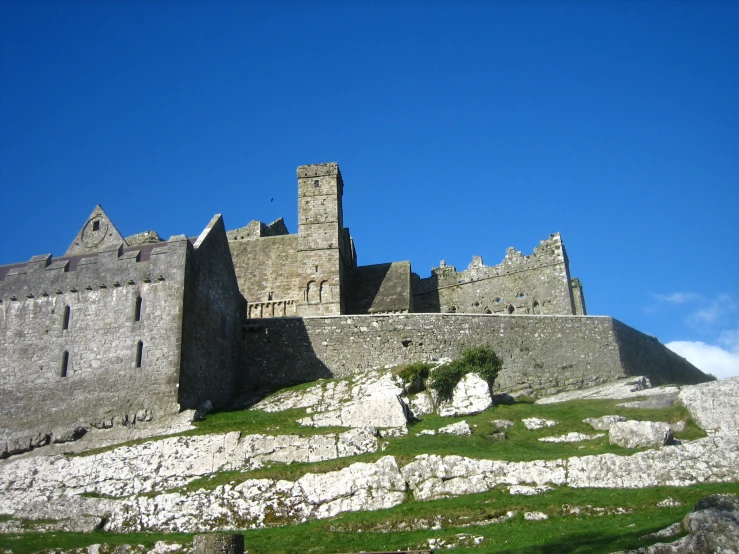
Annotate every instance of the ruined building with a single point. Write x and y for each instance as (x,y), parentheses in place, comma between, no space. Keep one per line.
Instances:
(315,272)
(119,330)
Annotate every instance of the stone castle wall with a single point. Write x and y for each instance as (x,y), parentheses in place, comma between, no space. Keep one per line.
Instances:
(267,267)
(540,354)
(213,317)
(535,284)
(101,380)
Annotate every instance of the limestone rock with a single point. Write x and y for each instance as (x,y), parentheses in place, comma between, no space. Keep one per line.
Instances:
(471,396)
(655,402)
(461,428)
(535,516)
(714,405)
(502,423)
(713,526)
(527,490)
(572,437)
(603,423)
(640,434)
(422,404)
(533,423)
(379,410)
(625,388)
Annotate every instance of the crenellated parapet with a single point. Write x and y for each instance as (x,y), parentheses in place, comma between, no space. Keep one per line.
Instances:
(535,284)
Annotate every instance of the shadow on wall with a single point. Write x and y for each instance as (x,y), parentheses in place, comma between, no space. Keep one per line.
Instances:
(426,297)
(273,361)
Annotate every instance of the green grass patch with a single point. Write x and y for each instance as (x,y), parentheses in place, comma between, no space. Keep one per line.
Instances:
(409,525)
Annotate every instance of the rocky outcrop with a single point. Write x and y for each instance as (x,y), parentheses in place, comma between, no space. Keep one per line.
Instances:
(572,437)
(257,502)
(363,400)
(709,460)
(640,434)
(712,526)
(470,396)
(626,388)
(714,406)
(603,423)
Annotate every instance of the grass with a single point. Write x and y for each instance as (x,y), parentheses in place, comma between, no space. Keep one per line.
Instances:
(398,528)
(394,528)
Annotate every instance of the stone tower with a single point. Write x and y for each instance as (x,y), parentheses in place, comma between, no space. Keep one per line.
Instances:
(323,249)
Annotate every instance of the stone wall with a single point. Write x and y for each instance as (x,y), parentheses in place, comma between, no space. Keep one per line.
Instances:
(541,354)
(213,317)
(267,266)
(122,353)
(380,288)
(535,284)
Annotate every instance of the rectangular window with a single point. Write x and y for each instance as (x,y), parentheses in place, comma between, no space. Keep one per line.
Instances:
(139,353)
(137,311)
(65,364)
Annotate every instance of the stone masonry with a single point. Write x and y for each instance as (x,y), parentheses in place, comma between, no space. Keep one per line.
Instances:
(120,330)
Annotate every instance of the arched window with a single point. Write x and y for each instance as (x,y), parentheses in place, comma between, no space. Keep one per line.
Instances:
(535,307)
(139,353)
(510,309)
(313,294)
(65,364)
(325,293)
(65,321)
(137,310)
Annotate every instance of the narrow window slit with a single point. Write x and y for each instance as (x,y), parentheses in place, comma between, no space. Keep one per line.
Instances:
(139,353)
(67,313)
(65,364)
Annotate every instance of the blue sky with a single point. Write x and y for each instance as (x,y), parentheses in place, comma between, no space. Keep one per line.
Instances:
(461,128)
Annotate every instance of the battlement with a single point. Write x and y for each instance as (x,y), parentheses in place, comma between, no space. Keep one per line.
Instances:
(318,170)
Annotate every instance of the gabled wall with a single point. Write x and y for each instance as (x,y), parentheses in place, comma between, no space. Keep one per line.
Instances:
(214,312)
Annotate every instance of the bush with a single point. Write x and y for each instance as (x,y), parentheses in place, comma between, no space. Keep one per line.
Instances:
(415,374)
(481,360)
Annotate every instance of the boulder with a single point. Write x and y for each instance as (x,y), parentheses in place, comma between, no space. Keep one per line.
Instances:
(379,410)
(471,396)
(713,527)
(502,423)
(603,423)
(461,428)
(640,434)
(533,423)
(68,434)
(714,405)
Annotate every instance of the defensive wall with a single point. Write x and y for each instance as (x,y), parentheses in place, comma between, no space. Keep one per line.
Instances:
(536,284)
(540,354)
(118,335)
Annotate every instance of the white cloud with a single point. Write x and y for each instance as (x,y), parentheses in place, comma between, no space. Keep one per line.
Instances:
(678,297)
(709,358)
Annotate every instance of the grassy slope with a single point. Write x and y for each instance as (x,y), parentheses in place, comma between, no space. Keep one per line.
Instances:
(390,529)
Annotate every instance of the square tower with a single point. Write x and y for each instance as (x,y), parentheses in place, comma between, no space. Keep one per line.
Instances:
(321,240)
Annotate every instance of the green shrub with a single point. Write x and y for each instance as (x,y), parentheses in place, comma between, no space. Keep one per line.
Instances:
(446,377)
(412,373)
(481,360)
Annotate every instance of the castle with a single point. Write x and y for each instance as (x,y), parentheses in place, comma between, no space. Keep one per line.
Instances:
(120,330)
